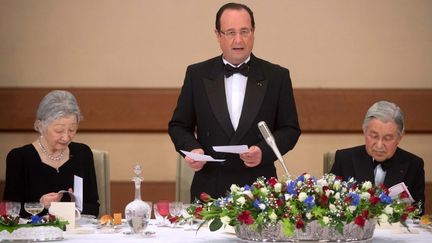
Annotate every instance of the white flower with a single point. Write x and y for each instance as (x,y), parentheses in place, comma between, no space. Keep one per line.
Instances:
(329,193)
(367,185)
(262,206)
(322,182)
(264,190)
(332,208)
(273,216)
(234,188)
(337,196)
(352,208)
(308,215)
(302,196)
(248,193)
(365,195)
(278,187)
(307,176)
(383,218)
(241,200)
(287,196)
(326,220)
(388,209)
(225,220)
(337,185)
(299,183)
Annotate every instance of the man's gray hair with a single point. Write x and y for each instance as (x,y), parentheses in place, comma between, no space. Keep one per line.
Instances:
(56,104)
(386,112)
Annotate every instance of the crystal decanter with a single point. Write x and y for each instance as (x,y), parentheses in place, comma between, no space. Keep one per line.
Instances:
(137,212)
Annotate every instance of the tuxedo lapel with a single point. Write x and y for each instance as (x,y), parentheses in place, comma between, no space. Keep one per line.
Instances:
(255,91)
(215,89)
(363,167)
(397,171)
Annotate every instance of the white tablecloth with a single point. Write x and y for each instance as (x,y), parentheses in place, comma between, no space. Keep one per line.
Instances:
(165,234)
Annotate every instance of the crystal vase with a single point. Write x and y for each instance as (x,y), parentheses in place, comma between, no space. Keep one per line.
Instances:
(137,212)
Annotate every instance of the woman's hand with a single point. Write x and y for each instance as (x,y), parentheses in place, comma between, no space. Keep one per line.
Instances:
(46,199)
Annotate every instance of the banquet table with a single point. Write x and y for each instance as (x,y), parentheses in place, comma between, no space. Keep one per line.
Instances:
(168,234)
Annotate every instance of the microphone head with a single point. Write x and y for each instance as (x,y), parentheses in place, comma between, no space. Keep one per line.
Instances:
(265,131)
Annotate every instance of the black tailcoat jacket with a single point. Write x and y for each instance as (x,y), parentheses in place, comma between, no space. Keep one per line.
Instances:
(201,120)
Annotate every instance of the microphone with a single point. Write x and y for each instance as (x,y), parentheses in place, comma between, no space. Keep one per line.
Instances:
(268,137)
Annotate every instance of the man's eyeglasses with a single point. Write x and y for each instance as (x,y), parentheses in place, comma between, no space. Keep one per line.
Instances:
(231,34)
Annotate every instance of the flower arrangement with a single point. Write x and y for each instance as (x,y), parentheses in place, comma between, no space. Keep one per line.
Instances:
(11,223)
(329,201)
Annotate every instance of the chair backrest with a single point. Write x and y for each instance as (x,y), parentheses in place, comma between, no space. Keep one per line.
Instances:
(183,180)
(102,168)
(329,158)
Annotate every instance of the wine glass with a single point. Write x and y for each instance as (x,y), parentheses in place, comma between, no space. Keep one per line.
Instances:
(175,209)
(33,208)
(189,217)
(13,208)
(162,209)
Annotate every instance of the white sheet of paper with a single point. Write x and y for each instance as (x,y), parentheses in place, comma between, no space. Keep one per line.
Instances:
(78,192)
(395,190)
(200,157)
(235,149)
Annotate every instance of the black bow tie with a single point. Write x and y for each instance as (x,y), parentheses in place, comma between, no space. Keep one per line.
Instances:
(384,164)
(242,69)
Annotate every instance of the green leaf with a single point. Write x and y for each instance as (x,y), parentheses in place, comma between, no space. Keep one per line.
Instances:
(287,227)
(215,224)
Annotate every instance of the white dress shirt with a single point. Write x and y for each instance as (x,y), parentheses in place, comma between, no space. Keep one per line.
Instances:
(235,89)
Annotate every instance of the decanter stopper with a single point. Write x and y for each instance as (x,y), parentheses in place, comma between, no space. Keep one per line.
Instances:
(137,212)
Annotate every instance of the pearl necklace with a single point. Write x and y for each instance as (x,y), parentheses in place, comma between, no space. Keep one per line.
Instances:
(49,155)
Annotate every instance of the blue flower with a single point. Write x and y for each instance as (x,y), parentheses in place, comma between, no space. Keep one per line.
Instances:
(247,188)
(309,202)
(300,178)
(386,199)
(355,199)
(257,203)
(291,188)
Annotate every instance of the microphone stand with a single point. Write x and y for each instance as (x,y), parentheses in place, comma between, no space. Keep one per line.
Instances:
(268,137)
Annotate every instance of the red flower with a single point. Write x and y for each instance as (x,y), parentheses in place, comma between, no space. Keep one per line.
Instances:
(299,224)
(245,217)
(365,213)
(360,221)
(325,188)
(384,188)
(197,212)
(410,209)
(279,202)
(374,199)
(403,195)
(404,217)
(204,197)
(324,200)
(348,200)
(173,219)
(272,181)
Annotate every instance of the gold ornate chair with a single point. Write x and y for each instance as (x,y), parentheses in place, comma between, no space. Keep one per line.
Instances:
(102,168)
(329,158)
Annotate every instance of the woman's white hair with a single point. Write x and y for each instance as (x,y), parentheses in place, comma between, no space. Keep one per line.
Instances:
(56,104)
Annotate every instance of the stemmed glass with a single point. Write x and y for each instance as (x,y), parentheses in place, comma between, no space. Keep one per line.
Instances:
(175,209)
(13,208)
(162,208)
(33,208)
(189,217)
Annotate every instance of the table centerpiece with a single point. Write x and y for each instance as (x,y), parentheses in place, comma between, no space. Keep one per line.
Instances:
(39,228)
(305,208)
